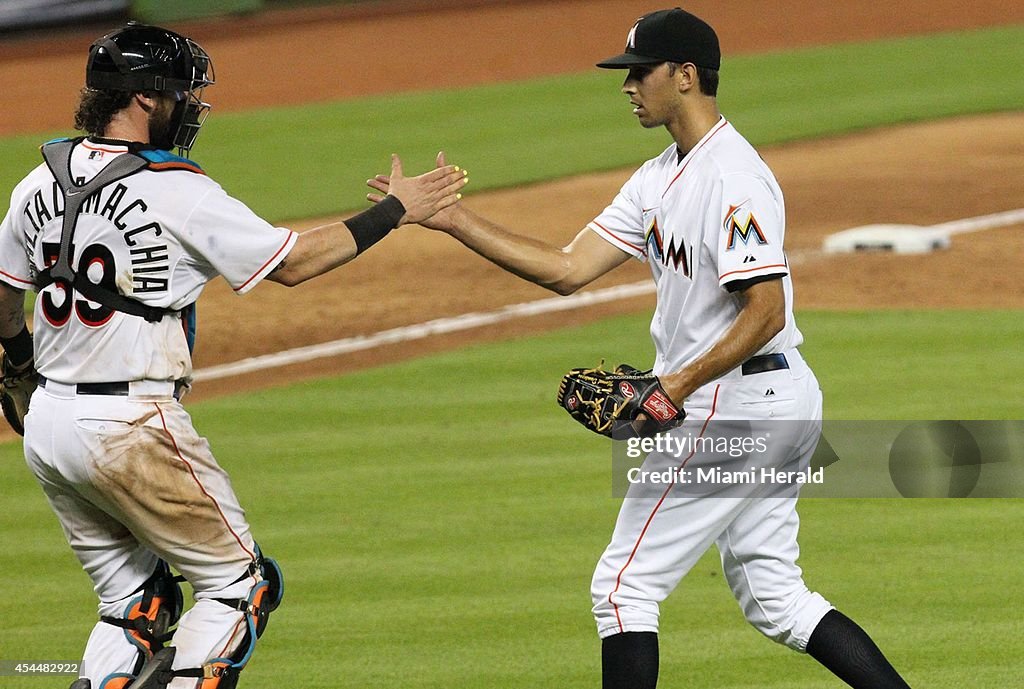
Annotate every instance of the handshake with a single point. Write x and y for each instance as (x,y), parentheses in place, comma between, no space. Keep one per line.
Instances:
(423,197)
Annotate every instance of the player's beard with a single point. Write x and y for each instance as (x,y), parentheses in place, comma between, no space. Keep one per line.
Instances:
(163,124)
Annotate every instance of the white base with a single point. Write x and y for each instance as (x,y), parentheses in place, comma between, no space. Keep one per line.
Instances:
(900,239)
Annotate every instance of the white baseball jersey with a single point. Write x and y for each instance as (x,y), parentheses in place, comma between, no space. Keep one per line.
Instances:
(157,236)
(708,220)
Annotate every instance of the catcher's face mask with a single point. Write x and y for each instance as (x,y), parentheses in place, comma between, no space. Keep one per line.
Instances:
(191,110)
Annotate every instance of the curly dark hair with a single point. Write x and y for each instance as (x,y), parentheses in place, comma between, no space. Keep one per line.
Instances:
(96,107)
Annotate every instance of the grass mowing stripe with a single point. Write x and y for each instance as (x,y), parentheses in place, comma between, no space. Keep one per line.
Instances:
(439,520)
(536,130)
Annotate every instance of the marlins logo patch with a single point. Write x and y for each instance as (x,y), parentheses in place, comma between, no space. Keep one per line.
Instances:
(742,228)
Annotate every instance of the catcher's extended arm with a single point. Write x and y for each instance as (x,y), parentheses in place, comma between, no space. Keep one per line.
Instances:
(609,402)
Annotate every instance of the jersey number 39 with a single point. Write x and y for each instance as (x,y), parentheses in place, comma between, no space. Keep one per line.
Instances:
(94,316)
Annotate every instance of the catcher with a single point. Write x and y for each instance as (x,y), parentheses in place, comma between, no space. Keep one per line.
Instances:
(119,236)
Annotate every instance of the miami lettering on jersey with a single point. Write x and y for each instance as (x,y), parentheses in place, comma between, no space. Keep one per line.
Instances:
(742,230)
(679,258)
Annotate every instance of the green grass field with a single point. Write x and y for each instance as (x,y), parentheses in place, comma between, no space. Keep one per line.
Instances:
(453,543)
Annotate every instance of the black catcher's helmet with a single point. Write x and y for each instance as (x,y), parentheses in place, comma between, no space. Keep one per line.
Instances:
(138,57)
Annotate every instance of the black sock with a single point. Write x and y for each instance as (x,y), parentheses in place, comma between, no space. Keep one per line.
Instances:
(846,650)
(630,661)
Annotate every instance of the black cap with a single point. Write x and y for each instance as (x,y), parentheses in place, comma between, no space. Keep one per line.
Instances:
(669,36)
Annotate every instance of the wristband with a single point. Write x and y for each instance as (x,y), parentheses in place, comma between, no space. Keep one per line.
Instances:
(19,348)
(373,224)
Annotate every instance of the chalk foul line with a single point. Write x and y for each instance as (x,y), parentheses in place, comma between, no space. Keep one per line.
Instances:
(419,331)
(982,222)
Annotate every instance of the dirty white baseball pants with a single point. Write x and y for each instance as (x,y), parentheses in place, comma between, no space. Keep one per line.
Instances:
(658,537)
(131,481)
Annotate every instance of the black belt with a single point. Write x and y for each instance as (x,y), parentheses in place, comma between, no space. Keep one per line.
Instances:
(118,388)
(765,362)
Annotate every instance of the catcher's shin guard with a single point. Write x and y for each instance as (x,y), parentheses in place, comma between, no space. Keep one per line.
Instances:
(263,599)
(150,613)
(155,674)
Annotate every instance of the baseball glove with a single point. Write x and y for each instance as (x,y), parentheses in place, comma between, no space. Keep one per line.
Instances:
(16,388)
(609,402)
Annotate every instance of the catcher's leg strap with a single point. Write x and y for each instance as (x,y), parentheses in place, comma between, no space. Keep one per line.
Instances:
(263,599)
(151,612)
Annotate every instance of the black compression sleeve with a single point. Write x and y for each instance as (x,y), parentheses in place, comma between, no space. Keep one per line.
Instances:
(629,661)
(843,647)
(373,224)
(19,348)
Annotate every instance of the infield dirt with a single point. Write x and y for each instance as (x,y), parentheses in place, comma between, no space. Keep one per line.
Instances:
(921,174)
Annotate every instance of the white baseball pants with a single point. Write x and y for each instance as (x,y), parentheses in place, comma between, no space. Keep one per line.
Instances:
(659,537)
(131,481)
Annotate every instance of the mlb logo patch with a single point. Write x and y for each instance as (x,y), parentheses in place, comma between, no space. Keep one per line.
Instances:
(96,155)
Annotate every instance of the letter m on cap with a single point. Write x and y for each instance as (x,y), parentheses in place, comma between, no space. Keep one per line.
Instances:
(631,38)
